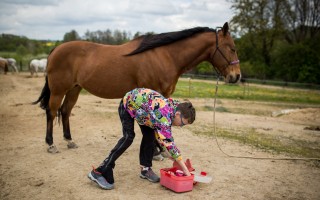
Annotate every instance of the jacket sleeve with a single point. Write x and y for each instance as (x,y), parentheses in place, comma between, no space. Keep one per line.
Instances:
(167,144)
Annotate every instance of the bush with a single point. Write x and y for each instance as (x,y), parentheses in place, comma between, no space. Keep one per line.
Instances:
(298,62)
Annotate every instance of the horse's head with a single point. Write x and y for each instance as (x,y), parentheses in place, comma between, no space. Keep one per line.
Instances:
(224,56)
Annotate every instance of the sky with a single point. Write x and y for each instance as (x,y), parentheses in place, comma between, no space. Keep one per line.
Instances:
(51,19)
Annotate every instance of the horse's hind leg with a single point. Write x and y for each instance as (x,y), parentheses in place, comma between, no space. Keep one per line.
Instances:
(68,103)
(51,112)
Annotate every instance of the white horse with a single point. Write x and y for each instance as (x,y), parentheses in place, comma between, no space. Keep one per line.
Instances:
(38,65)
(13,64)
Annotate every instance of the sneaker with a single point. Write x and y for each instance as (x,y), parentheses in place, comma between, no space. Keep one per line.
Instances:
(158,157)
(147,173)
(100,180)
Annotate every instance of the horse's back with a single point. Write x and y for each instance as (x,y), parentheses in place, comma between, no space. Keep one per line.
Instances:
(74,47)
(90,65)
(85,49)
(34,63)
(69,51)
(72,56)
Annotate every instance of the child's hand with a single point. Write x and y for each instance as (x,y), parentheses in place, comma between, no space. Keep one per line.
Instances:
(184,168)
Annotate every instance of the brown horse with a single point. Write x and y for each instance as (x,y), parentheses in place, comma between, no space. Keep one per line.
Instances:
(4,65)
(150,61)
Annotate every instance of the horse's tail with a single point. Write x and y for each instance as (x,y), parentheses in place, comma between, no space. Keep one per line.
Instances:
(44,96)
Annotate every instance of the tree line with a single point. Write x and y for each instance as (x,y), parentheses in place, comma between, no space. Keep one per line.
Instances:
(107,36)
(278,39)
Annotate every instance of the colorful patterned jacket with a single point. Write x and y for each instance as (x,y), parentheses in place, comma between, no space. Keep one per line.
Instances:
(150,108)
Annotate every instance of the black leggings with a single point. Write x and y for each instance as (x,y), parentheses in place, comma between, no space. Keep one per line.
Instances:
(146,147)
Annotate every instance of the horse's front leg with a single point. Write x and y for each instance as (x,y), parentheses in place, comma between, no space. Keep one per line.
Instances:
(67,133)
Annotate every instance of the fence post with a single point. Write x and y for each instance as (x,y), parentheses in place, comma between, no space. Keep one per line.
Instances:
(20,65)
(189,79)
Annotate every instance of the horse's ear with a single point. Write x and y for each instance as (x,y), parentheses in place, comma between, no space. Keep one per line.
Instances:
(225,28)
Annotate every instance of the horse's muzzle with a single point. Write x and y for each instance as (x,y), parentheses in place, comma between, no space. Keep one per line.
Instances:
(233,78)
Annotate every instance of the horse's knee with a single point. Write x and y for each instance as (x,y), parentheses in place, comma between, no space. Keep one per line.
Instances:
(64,112)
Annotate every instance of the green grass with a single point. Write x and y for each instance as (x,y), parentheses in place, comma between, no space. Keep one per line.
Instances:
(198,89)
(271,143)
(83,91)
(255,93)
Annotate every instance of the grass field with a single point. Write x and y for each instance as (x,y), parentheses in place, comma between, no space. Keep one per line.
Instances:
(206,89)
(274,144)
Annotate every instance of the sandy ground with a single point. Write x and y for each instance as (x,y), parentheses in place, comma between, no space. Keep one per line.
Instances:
(27,171)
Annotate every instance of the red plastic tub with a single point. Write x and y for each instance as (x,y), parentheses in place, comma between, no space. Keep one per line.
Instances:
(170,180)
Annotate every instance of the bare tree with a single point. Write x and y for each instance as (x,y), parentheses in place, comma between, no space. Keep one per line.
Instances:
(261,21)
(302,20)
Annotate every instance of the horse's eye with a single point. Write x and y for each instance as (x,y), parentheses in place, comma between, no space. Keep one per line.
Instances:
(233,50)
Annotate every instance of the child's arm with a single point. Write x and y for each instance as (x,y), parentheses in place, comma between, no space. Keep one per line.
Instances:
(183,167)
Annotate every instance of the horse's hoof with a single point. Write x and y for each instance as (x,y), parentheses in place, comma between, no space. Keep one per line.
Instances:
(52,149)
(72,145)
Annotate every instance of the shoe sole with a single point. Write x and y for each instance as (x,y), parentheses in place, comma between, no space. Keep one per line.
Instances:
(153,181)
(96,181)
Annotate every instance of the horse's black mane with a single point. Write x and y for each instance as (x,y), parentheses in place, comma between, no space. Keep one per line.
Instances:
(151,41)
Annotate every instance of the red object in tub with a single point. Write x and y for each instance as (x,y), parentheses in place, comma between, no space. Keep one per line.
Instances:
(169,180)
(188,164)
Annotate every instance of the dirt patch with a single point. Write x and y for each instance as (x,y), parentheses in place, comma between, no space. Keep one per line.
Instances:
(29,172)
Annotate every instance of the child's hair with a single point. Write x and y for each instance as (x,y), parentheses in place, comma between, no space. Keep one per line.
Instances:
(187,111)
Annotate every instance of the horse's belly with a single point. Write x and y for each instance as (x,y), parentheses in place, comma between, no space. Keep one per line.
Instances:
(109,86)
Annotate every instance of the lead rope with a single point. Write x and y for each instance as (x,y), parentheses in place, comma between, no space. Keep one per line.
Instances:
(248,157)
